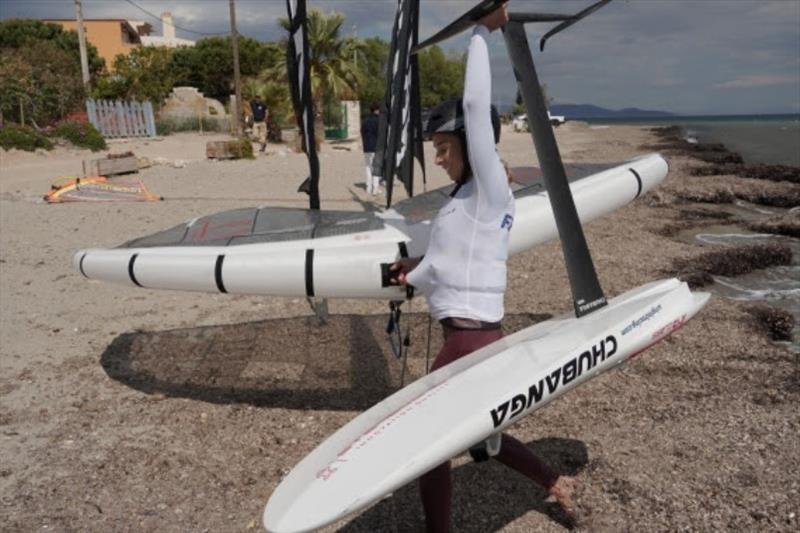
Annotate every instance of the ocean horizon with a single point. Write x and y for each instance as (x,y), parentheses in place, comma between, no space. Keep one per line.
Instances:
(759,139)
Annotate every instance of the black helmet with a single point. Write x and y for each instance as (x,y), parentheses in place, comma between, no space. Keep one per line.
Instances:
(448,117)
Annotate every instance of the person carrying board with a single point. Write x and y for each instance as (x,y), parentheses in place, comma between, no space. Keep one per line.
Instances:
(463,272)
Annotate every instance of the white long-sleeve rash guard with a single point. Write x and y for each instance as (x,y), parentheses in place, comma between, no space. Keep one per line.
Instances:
(463,273)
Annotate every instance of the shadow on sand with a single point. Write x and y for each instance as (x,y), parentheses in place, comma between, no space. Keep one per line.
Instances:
(293,363)
(344,364)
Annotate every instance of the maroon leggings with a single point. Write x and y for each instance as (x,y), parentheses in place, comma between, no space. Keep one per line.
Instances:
(435,487)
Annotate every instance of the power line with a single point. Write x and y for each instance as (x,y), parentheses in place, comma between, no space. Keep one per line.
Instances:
(137,6)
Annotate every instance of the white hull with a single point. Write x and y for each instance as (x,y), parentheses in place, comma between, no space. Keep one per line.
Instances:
(347,265)
(447,411)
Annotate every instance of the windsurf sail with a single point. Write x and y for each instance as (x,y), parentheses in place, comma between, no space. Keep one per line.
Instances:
(299,70)
(99,189)
(400,126)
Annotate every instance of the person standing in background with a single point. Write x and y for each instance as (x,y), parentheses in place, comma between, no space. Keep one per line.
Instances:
(260,114)
(369,138)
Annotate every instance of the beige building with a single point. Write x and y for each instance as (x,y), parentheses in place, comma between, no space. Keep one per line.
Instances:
(109,36)
(119,36)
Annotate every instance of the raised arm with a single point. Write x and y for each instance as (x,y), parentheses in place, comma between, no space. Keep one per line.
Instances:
(487,169)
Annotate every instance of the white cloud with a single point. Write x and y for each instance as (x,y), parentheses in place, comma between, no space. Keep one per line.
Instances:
(781,9)
(686,57)
(754,81)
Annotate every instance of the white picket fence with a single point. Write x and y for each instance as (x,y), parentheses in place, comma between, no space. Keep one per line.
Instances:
(121,119)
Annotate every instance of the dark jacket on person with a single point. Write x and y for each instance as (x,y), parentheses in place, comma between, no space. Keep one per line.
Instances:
(369,132)
(259,111)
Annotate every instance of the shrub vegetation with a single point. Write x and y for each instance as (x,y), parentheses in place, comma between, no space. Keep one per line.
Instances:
(40,73)
(167,126)
(23,138)
(81,134)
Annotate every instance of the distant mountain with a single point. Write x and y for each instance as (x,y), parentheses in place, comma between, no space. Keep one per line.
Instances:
(579,111)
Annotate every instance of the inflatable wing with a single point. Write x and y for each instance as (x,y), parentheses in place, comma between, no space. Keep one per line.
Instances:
(298,252)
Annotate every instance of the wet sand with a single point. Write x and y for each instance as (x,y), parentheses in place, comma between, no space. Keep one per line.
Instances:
(126,409)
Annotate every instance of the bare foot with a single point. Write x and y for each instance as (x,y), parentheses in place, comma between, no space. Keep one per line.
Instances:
(562,491)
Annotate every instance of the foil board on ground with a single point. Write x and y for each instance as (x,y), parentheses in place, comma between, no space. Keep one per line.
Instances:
(298,252)
(403,436)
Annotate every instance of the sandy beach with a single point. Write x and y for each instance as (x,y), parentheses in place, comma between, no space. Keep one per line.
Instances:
(127,409)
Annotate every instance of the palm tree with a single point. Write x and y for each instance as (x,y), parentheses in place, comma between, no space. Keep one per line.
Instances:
(332,61)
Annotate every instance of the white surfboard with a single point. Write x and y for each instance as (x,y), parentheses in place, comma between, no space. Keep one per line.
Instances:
(296,252)
(480,394)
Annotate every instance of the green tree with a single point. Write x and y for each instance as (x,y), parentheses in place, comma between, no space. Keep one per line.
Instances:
(146,73)
(332,59)
(40,83)
(440,76)
(209,64)
(17,33)
(40,71)
(372,62)
(17,85)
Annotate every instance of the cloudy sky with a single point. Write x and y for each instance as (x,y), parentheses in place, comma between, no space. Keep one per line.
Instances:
(684,56)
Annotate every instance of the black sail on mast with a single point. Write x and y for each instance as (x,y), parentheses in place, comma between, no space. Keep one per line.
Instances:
(299,71)
(400,127)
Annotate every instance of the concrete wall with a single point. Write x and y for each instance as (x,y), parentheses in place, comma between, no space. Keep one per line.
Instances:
(352,109)
(187,102)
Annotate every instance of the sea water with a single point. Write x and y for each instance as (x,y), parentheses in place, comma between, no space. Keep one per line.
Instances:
(775,140)
(767,139)
(778,286)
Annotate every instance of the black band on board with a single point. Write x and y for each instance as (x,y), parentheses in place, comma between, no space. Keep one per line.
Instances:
(638,181)
(80,266)
(403,249)
(218,273)
(130,270)
(310,273)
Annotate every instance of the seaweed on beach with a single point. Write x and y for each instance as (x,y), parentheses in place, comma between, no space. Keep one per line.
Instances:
(715,153)
(759,171)
(700,214)
(722,161)
(785,224)
(714,196)
(772,194)
(788,198)
(777,322)
(693,218)
(698,271)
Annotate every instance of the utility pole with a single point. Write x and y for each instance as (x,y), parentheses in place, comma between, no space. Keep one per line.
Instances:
(82,44)
(237,109)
